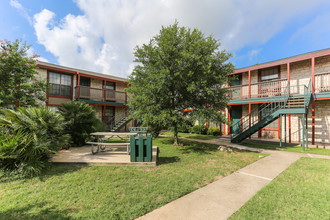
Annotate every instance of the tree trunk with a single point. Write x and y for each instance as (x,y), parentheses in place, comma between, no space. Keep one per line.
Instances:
(176,138)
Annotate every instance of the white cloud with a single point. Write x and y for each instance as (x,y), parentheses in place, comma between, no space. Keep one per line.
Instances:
(31,52)
(21,10)
(103,37)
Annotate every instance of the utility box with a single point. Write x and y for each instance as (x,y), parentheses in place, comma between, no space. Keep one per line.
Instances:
(141,148)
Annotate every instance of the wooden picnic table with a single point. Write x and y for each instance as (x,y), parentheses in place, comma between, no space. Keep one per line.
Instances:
(102,137)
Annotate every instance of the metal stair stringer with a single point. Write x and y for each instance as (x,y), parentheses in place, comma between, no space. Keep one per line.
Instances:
(269,112)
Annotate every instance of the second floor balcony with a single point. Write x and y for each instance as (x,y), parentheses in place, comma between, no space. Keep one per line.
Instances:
(99,94)
(277,88)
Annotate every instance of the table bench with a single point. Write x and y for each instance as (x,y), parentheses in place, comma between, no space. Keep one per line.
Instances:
(103,136)
(96,146)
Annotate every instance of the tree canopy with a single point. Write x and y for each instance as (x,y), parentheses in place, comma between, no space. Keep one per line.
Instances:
(18,83)
(179,68)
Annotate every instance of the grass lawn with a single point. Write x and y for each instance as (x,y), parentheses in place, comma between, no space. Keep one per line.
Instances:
(113,192)
(300,192)
(292,148)
(193,136)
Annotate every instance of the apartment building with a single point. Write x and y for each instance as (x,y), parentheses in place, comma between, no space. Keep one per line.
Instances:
(104,92)
(287,99)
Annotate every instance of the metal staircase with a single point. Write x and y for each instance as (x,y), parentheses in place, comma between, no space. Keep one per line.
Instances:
(120,121)
(272,110)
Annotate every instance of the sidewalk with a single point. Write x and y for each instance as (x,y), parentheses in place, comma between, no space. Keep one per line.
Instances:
(220,199)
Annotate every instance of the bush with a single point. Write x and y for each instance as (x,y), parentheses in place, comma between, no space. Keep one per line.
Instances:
(185,127)
(153,128)
(27,137)
(81,121)
(199,129)
(213,130)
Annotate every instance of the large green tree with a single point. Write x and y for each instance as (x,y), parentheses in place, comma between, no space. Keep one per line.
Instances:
(179,68)
(19,85)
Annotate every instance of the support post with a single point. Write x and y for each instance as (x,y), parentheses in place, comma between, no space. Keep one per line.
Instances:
(284,130)
(220,124)
(249,116)
(313,101)
(306,132)
(78,96)
(303,129)
(289,128)
(313,121)
(105,90)
(280,132)
(228,120)
(249,84)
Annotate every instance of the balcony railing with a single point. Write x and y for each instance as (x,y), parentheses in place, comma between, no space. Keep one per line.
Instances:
(276,88)
(96,94)
(322,82)
(258,90)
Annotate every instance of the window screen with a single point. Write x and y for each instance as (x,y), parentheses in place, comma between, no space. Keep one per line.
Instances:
(59,84)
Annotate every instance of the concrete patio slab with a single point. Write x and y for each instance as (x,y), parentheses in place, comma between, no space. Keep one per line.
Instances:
(83,155)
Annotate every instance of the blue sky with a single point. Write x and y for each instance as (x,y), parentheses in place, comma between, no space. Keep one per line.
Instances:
(100,35)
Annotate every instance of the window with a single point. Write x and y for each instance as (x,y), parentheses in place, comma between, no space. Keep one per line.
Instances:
(110,85)
(269,74)
(59,84)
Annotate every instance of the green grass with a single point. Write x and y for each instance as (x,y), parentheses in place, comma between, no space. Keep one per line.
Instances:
(300,192)
(113,192)
(193,136)
(291,148)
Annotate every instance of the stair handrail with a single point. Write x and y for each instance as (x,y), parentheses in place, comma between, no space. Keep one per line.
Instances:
(119,118)
(269,107)
(307,95)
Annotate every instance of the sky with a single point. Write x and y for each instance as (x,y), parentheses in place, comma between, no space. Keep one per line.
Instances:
(100,35)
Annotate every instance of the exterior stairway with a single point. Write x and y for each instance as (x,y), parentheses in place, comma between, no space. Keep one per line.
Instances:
(120,121)
(270,111)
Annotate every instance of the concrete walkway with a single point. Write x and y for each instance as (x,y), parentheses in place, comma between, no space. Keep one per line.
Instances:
(220,199)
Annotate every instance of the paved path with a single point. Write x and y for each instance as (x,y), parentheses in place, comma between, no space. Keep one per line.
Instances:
(222,198)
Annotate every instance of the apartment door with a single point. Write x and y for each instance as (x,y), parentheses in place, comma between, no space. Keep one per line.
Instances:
(235,116)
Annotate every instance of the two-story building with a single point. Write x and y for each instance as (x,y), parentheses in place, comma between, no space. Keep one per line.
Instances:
(284,85)
(104,92)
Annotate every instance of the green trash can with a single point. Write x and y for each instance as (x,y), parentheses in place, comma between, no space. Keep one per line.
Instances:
(141,148)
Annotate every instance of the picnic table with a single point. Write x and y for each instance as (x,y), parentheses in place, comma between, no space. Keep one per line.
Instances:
(103,137)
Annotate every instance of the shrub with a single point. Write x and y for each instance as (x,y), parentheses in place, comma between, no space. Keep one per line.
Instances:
(213,130)
(185,127)
(81,121)
(203,129)
(199,129)
(28,136)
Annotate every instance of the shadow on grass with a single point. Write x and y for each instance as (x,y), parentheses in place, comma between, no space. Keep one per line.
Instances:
(167,160)
(197,147)
(29,212)
(267,145)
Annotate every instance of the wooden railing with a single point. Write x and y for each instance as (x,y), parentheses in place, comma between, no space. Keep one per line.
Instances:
(96,94)
(322,82)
